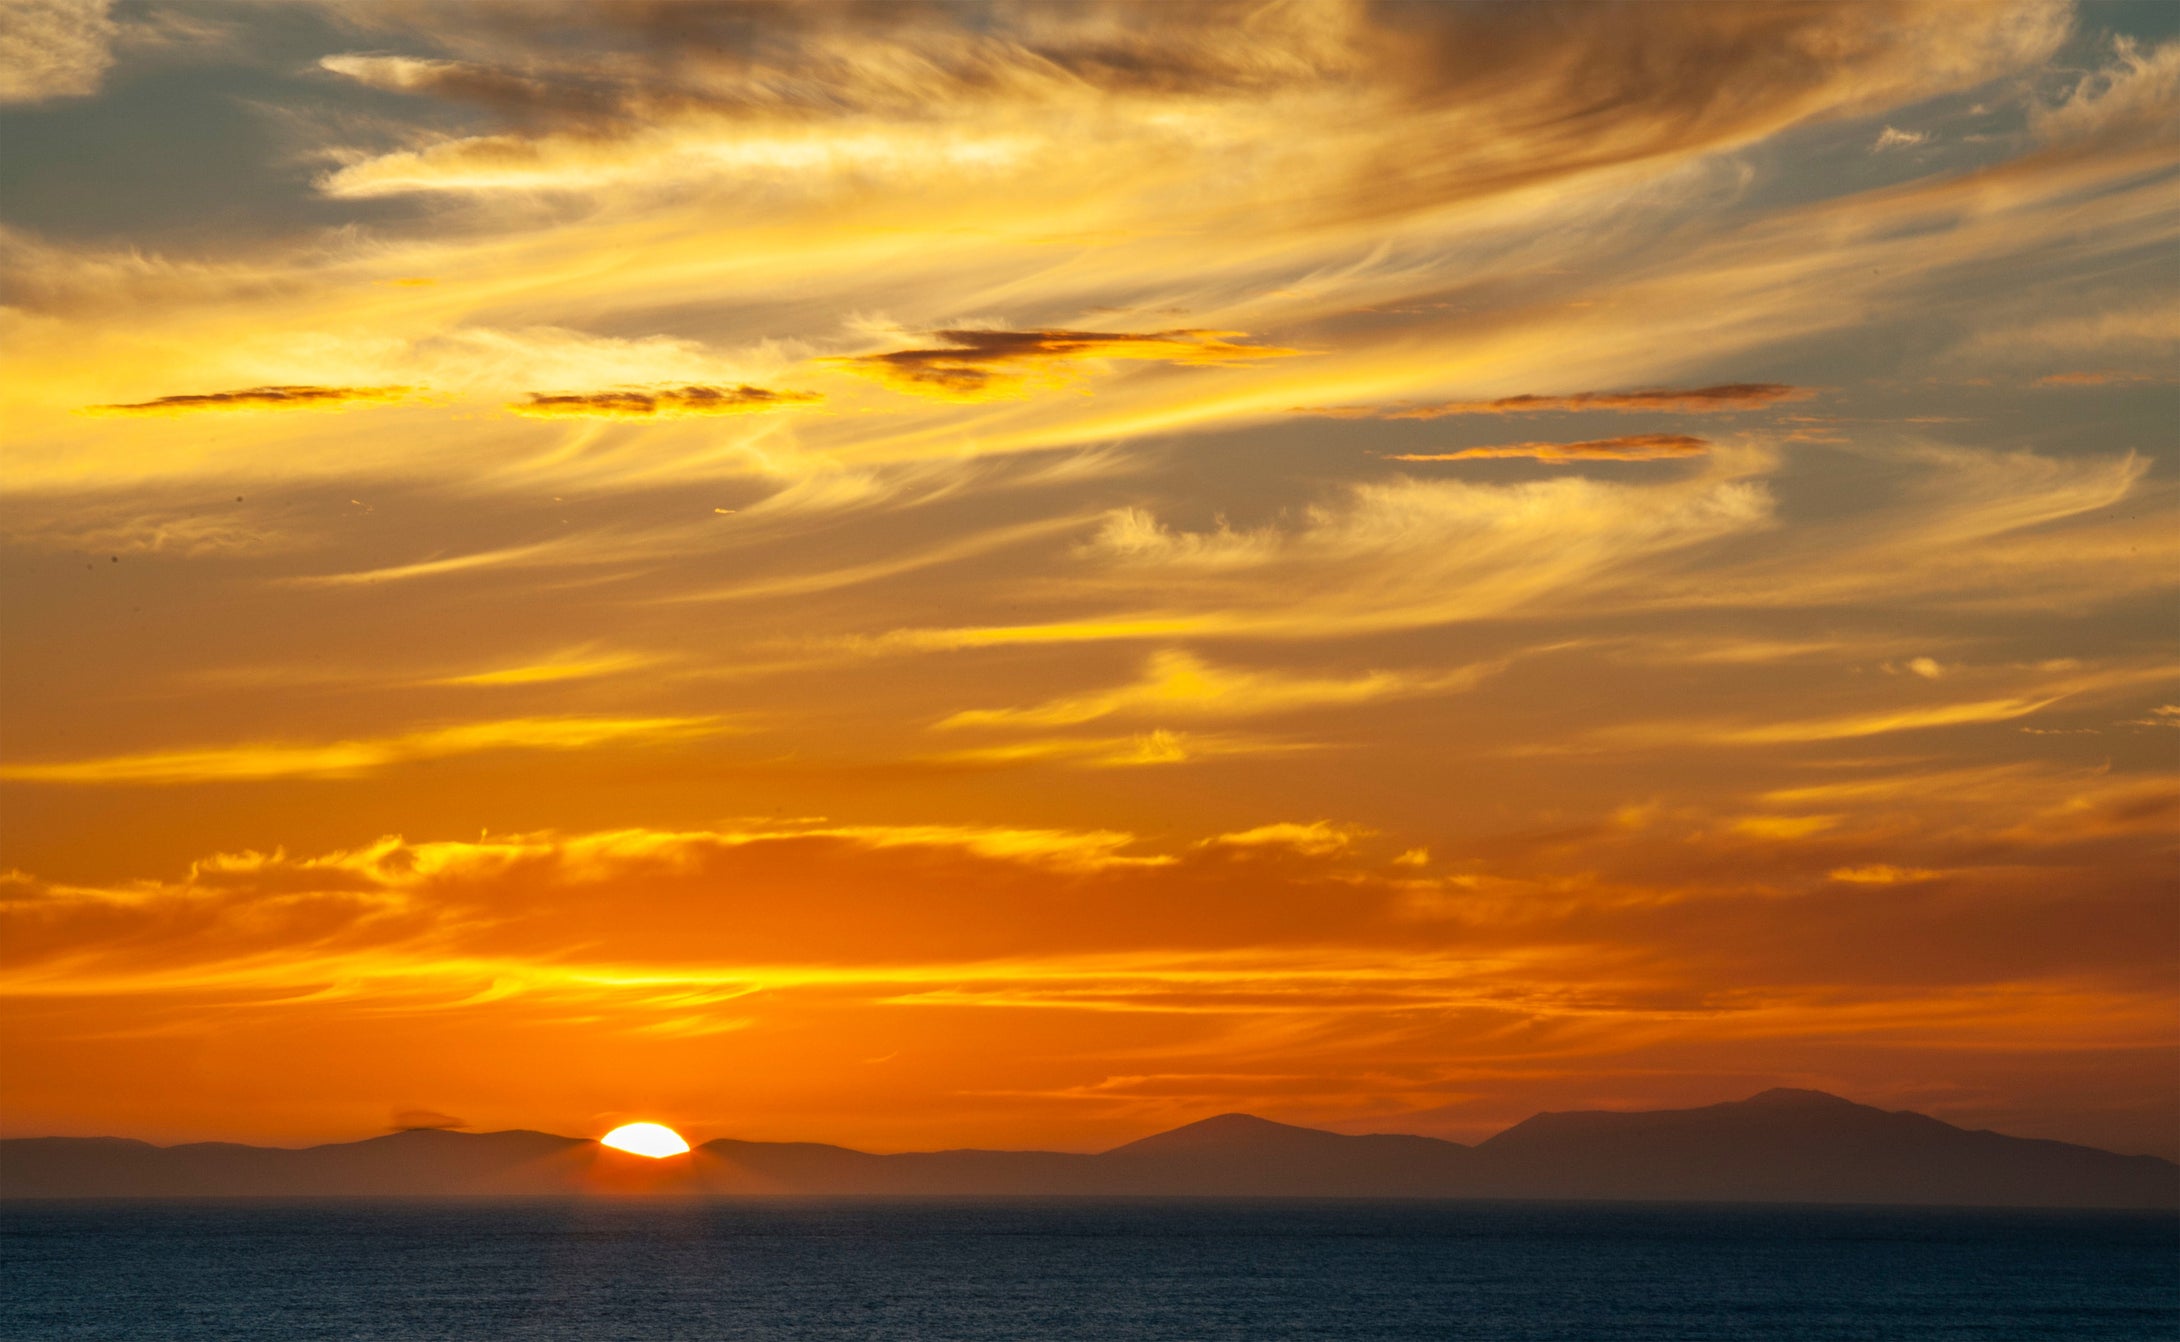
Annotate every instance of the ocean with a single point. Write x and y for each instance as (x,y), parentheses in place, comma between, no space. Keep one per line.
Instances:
(813,1270)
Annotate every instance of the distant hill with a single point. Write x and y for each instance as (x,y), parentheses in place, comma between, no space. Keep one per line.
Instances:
(1779,1146)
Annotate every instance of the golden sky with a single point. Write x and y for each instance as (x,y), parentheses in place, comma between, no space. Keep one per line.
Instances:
(1019,574)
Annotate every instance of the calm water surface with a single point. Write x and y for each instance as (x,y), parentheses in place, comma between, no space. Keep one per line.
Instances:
(635,1271)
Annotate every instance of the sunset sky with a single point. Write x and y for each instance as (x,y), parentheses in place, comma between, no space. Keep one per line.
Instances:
(1006,574)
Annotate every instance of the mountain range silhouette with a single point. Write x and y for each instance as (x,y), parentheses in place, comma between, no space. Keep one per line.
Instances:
(1778,1146)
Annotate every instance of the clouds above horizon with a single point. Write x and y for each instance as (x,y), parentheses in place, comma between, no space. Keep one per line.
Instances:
(1346,557)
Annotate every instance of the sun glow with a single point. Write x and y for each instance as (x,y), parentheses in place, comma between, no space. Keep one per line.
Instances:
(655,1140)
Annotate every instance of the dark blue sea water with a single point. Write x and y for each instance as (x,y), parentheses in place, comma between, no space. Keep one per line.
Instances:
(634,1271)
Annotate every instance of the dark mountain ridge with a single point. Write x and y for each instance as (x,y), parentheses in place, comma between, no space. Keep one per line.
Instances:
(1778,1146)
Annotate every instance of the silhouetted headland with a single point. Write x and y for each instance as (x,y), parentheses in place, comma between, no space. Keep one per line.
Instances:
(1779,1146)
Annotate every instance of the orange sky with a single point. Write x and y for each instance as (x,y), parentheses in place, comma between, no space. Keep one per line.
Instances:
(1018,575)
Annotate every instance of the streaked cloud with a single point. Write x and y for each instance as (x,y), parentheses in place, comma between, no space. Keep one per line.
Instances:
(261,760)
(1178,684)
(1399,554)
(571,664)
(1628,447)
(1881,873)
(1683,400)
(1892,137)
(2101,378)
(1318,838)
(669,402)
(260,398)
(427,568)
(1158,746)
(974,365)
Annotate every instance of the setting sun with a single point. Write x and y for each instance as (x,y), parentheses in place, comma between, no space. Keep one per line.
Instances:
(655,1140)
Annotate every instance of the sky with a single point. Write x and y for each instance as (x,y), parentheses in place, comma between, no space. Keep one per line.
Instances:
(1017,575)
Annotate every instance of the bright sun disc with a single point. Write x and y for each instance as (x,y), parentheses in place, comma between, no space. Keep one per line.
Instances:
(655,1140)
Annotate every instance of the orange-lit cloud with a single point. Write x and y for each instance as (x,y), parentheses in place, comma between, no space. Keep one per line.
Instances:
(339,759)
(1158,746)
(260,398)
(2101,379)
(1318,838)
(1306,950)
(667,402)
(1686,400)
(1629,447)
(1178,684)
(1186,753)
(981,365)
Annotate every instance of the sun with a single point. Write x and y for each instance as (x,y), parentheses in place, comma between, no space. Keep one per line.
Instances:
(655,1140)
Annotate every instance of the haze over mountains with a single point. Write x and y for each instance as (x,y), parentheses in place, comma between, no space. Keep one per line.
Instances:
(1778,1146)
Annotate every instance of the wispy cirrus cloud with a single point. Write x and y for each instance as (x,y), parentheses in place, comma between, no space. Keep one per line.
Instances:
(1158,746)
(1178,684)
(428,568)
(1628,447)
(54,48)
(260,398)
(257,761)
(661,403)
(2104,378)
(1317,838)
(977,365)
(1725,396)
(583,663)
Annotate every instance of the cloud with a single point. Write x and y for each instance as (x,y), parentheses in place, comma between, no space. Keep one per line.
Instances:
(262,760)
(1136,535)
(2151,327)
(528,900)
(133,528)
(1882,873)
(426,568)
(1280,950)
(1177,684)
(1629,447)
(426,1120)
(1318,838)
(1686,400)
(808,496)
(986,365)
(2105,378)
(665,403)
(1410,106)
(2131,98)
(571,664)
(54,48)
(260,398)
(1394,554)
(1891,137)
(1158,746)
(1882,722)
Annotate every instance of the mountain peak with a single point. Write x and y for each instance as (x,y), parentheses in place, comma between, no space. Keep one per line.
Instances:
(1226,1131)
(1790,1097)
